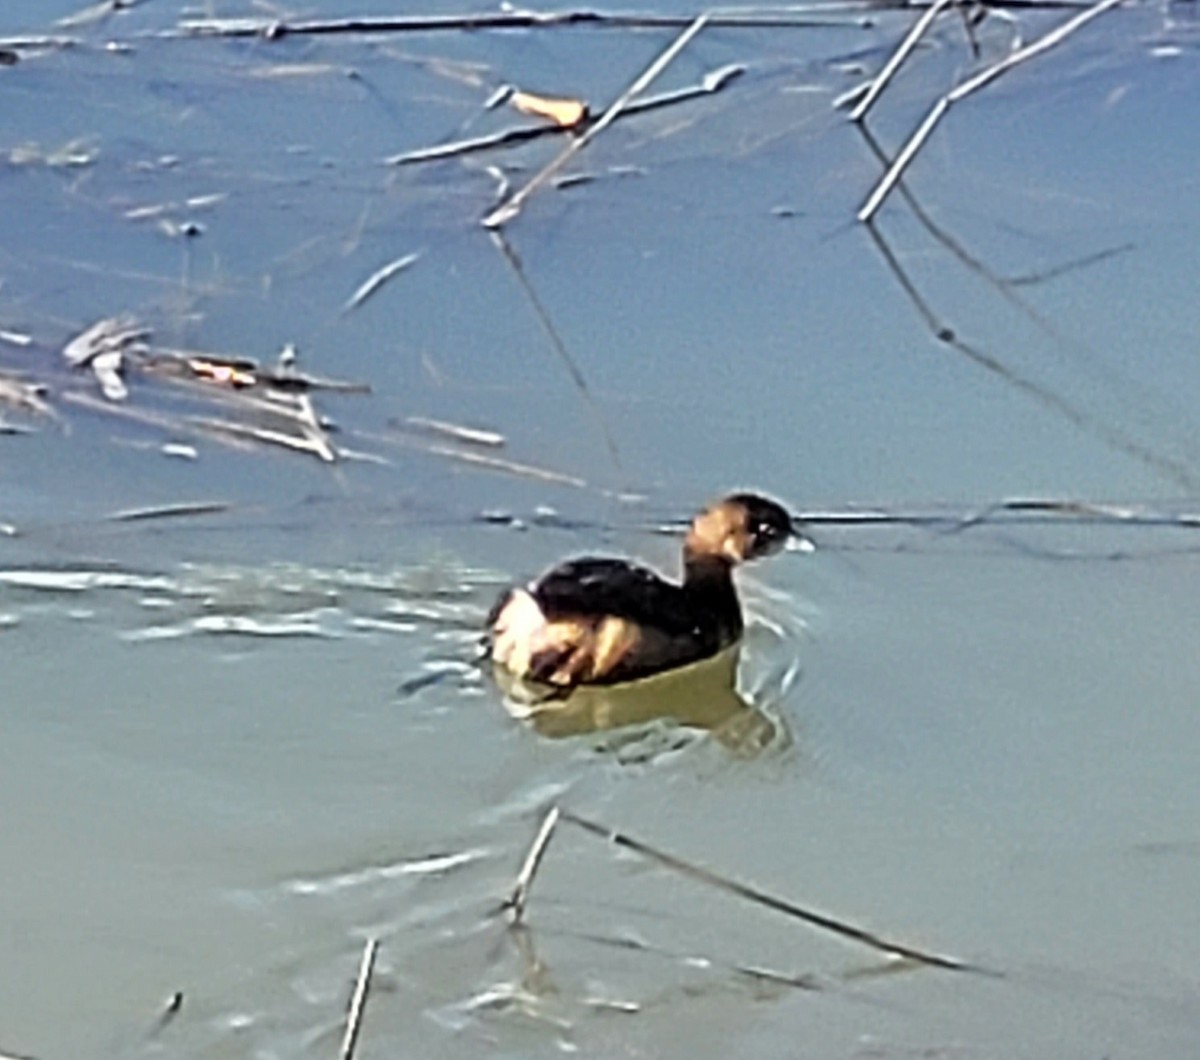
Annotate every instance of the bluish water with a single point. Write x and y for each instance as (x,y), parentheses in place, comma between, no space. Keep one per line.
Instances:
(238,743)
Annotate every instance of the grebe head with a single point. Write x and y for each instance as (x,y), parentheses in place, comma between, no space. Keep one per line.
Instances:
(741,527)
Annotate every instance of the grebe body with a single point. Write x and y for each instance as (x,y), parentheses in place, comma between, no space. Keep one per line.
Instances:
(606,621)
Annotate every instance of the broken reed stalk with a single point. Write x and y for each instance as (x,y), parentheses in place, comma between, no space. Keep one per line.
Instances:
(509,209)
(520,892)
(901,53)
(768,17)
(781,905)
(974,84)
(358,1000)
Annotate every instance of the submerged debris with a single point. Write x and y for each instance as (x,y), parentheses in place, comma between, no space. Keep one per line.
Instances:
(19,394)
(269,405)
(102,347)
(72,155)
(113,334)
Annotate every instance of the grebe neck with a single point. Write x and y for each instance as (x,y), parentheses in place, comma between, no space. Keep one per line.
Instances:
(708,580)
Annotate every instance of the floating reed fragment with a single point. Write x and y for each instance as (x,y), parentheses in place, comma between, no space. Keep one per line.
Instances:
(17,45)
(167,1016)
(520,892)
(822,921)
(103,348)
(235,372)
(358,1000)
(566,113)
(468,435)
(378,278)
(914,143)
(94,13)
(168,511)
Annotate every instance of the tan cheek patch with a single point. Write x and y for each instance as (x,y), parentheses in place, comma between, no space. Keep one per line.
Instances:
(736,546)
(710,532)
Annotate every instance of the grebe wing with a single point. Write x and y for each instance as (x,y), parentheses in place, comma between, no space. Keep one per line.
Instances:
(586,587)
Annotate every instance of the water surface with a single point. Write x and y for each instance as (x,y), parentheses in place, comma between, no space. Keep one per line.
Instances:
(238,743)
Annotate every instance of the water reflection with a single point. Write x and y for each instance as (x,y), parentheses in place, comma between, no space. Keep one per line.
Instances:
(703,696)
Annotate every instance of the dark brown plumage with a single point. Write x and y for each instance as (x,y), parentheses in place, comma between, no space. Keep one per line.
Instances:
(604,621)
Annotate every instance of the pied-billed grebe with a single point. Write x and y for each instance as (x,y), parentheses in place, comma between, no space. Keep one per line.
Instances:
(603,621)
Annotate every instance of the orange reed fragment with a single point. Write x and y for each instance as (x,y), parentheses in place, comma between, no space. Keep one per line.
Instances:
(567,113)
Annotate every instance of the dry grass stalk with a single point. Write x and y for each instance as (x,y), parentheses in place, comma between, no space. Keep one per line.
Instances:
(898,56)
(520,892)
(509,209)
(358,1000)
(974,84)
(818,920)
